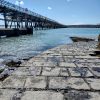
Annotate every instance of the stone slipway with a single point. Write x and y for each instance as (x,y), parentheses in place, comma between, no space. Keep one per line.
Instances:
(66,72)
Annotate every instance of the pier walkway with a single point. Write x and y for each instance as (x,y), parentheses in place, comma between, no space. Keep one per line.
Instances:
(18,17)
(66,72)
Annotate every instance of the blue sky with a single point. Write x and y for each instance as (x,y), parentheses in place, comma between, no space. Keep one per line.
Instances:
(66,11)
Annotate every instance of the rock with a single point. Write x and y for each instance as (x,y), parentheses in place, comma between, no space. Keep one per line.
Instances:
(99,38)
(98,47)
(78,39)
(1,61)
(97,52)
(13,63)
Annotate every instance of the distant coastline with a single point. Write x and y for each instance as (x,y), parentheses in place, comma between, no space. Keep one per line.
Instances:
(82,26)
(70,26)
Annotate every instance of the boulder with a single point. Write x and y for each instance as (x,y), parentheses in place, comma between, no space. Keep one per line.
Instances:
(78,39)
(98,47)
(97,52)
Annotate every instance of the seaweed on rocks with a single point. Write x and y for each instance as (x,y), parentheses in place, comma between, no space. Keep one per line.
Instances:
(13,63)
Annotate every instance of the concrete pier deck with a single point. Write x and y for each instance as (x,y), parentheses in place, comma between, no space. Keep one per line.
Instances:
(11,32)
(66,72)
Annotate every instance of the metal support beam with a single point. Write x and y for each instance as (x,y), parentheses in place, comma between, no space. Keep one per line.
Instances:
(5,20)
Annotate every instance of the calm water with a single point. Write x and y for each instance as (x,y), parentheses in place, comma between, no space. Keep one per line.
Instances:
(30,45)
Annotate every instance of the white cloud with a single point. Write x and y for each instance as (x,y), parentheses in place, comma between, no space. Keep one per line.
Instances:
(22,3)
(49,8)
(19,2)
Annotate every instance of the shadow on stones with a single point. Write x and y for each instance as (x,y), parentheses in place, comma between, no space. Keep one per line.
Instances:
(82,71)
(97,69)
(4,77)
(77,95)
(54,59)
(13,64)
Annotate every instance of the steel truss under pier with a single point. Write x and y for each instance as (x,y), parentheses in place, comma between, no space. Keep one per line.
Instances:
(18,17)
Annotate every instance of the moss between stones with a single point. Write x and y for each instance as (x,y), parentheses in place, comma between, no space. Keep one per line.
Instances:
(1,70)
(4,77)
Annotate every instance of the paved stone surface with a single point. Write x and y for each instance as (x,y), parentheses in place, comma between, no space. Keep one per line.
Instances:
(27,71)
(35,82)
(82,95)
(47,71)
(42,95)
(67,83)
(14,82)
(81,72)
(95,71)
(66,64)
(94,83)
(7,94)
(66,72)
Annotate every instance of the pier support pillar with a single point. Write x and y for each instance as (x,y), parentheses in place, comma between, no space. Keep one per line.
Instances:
(5,20)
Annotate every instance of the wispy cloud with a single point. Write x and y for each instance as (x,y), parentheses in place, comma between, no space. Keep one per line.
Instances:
(78,23)
(19,3)
(69,0)
(49,8)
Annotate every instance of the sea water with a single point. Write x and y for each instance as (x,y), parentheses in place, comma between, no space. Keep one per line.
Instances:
(27,46)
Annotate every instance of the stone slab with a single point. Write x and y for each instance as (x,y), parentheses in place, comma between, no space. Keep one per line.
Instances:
(7,94)
(35,82)
(67,83)
(93,64)
(42,95)
(95,71)
(64,72)
(94,83)
(50,71)
(50,63)
(14,82)
(21,71)
(66,64)
(82,95)
(81,72)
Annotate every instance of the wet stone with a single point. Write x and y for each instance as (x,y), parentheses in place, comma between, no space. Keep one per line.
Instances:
(35,82)
(42,95)
(81,72)
(82,95)
(14,82)
(50,71)
(67,83)
(94,83)
(7,94)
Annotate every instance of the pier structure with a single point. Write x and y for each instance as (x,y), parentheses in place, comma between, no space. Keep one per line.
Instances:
(16,17)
